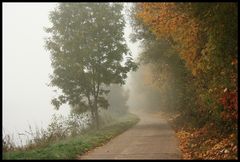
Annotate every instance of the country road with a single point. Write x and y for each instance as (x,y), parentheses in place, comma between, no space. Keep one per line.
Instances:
(151,138)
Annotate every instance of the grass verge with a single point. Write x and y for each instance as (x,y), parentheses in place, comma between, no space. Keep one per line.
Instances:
(72,147)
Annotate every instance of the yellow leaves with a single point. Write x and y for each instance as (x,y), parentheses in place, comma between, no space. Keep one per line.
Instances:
(165,20)
(202,143)
(184,137)
(183,134)
(194,72)
(232,135)
(210,90)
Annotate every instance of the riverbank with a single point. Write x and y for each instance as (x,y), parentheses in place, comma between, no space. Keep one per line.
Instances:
(71,147)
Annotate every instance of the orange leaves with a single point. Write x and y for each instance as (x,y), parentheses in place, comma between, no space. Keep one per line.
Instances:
(204,144)
(225,148)
(204,46)
(165,20)
(184,137)
(234,61)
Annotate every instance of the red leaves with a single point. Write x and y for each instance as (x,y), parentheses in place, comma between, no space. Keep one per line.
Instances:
(230,104)
(229,100)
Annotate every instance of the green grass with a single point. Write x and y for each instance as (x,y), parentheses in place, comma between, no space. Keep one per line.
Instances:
(72,147)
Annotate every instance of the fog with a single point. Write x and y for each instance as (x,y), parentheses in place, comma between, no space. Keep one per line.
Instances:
(143,94)
(26,69)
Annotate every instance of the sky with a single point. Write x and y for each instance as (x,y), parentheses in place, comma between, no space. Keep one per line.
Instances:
(26,66)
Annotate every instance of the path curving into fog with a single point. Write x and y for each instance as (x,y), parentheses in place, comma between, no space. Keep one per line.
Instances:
(151,138)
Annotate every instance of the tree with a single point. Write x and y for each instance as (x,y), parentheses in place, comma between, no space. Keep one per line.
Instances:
(87,48)
(205,37)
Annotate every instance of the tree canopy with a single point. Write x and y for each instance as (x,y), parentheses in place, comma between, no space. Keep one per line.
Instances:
(204,36)
(87,52)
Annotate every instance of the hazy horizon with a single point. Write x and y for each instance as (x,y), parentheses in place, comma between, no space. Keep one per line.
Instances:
(26,66)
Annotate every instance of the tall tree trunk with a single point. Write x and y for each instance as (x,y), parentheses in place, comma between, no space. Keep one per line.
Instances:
(93,116)
(97,118)
(96,115)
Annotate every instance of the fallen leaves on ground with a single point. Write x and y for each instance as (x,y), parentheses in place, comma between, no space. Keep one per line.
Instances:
(205,143)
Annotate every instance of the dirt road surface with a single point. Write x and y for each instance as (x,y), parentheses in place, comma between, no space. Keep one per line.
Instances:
(151,138)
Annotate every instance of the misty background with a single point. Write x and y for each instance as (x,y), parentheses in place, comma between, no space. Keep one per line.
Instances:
(26,69)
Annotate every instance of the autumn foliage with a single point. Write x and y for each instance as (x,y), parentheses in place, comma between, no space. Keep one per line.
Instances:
(200,144)
(198,32)
(230,104)
(165,20)
(204,37)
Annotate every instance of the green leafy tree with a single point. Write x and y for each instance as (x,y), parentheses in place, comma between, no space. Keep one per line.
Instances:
(87,48)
